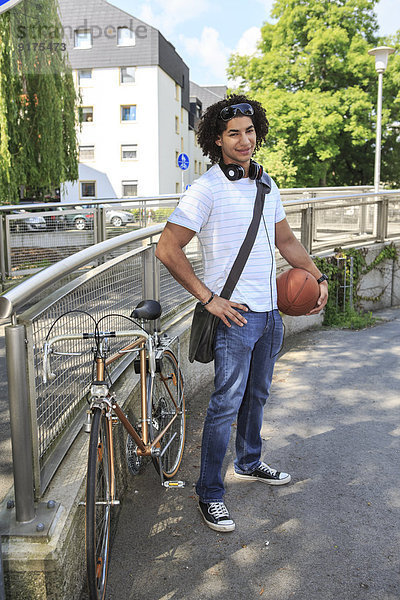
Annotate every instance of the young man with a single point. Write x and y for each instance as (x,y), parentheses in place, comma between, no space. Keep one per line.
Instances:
(218,207)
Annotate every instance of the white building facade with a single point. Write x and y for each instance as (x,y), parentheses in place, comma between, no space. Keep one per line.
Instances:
(135,105)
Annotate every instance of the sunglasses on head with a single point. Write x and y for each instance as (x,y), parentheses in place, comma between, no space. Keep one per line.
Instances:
(229,112)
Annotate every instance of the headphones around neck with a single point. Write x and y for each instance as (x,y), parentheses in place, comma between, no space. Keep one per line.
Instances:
(234,172)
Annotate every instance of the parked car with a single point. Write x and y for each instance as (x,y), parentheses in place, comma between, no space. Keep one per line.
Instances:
(31,223)
(80,221)
(54,218)
(117,218)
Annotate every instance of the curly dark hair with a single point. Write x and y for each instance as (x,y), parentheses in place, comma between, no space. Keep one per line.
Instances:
(210,126)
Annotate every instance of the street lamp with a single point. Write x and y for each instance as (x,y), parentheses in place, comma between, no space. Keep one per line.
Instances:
(381,59)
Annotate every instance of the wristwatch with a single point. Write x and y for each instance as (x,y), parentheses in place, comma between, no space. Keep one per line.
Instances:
(322,278)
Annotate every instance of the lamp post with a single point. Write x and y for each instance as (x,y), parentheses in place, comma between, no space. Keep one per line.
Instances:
(381,59)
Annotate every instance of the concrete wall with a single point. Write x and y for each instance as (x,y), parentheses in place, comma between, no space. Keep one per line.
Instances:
(382,282)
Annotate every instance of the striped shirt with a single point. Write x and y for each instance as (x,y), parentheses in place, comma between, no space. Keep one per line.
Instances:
(220,212)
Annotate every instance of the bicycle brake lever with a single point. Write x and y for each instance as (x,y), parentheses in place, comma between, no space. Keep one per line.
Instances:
(47,374)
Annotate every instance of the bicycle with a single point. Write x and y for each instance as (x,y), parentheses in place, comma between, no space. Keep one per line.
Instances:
(160,433)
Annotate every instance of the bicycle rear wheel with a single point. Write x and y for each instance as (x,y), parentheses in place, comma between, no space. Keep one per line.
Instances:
(98,506)
(167,401)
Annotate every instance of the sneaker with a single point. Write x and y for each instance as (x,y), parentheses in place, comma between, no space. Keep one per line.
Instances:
(266,474)
(216,516)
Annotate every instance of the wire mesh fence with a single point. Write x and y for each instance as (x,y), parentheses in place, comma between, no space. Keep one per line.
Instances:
(109,292)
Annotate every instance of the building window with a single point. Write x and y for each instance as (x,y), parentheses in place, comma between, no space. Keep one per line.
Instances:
(182,145)
(200,168)
(86,153)
(125,37)
(84,77)
(88,189)
(83,38)
(127,75)
(176,91)
(176,158)
(129,152)
(177,188)
(129,188)
(181,115)
(195,166)
(128,113)
(87,114)
(176,124)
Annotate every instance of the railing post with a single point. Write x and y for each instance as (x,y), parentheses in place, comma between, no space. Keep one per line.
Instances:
(382,220)
(314,219)
(100,217)
(151,277)
(21,436)
(2,247)
(307,228)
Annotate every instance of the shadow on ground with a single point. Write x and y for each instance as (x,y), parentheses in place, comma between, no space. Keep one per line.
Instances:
(333,422)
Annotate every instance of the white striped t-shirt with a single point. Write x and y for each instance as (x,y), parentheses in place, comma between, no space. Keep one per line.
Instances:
(220,212)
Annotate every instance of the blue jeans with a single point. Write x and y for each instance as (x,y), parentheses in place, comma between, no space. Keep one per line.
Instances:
(244,363)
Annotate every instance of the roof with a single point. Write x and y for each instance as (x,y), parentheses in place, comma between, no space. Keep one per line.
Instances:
(207,94)
(103,19)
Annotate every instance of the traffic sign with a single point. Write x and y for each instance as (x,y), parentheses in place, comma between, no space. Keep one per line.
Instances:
(183,161)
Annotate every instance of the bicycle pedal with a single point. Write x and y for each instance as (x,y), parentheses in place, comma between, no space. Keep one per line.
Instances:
(174,484)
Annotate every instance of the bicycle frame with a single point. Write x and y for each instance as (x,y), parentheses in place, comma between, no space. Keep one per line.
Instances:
(162,404)
(100,395)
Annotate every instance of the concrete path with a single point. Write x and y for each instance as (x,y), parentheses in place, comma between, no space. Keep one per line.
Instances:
(332,534)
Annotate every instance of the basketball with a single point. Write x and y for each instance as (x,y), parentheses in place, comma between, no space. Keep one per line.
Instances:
(298,292)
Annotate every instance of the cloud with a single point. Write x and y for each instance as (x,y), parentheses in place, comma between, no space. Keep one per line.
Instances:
(168,16)
(247,45)
(210,52)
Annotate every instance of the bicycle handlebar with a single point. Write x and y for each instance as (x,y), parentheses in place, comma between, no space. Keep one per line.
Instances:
(48,375)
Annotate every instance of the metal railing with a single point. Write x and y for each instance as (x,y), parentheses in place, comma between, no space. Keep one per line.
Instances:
(47,418)
(46,233)
(34,236)
(113,276)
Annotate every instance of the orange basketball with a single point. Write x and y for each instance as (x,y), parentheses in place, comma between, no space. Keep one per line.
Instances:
(298,292)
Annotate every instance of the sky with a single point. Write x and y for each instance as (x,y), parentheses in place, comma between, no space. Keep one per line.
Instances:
(206,32)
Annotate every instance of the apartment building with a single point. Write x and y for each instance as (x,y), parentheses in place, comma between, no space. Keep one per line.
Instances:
(135,103)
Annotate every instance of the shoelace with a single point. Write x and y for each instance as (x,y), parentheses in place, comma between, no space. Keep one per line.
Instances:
(267,469)
(218,510)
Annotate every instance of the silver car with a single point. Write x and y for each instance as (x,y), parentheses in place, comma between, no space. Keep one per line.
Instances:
(28,223)
(117,218)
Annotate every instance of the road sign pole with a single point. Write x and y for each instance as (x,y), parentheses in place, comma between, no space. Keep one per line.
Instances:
(183,164)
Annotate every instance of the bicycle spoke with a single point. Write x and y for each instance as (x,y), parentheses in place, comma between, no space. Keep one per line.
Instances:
(168,405)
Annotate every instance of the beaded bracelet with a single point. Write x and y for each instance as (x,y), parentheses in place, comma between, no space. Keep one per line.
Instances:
(209,300)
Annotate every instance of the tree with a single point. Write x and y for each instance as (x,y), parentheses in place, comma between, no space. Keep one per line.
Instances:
(318,84)
(38,104)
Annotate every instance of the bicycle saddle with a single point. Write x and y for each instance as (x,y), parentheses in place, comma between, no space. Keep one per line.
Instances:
(148,310)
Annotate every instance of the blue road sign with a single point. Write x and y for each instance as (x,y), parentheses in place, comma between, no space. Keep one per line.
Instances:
(7,4)
(183,161)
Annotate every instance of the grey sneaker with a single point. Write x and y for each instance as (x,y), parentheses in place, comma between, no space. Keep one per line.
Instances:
(216,516)
(266,474)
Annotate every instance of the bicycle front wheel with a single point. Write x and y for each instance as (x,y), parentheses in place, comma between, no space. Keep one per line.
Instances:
(98,506)
(167,403)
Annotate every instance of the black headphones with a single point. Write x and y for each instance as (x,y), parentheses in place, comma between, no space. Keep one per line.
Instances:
(234,172)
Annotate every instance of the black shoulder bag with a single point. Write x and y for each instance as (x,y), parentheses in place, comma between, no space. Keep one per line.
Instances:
(204,324)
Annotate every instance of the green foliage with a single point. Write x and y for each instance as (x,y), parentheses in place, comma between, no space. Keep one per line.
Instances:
(338,311)
(318,84)
(38,117)
(161,214)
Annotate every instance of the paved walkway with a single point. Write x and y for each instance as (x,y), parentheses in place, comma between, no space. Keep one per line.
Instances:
(332,534)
